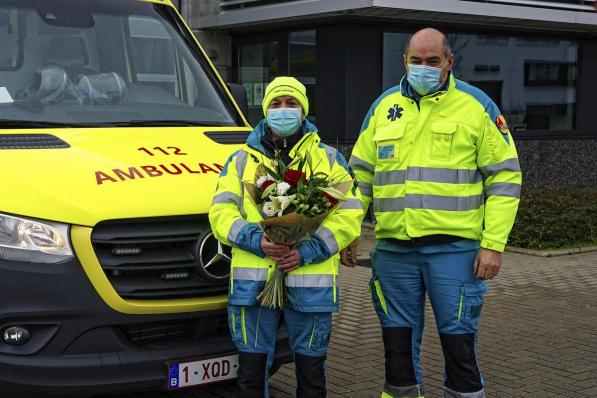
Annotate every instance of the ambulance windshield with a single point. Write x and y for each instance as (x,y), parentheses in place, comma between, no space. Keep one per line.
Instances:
(104,62)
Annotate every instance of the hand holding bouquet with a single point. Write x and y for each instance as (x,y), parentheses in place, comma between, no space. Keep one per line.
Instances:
(294,202)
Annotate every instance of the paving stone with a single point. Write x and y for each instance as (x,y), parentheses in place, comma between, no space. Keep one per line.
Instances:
(537,335)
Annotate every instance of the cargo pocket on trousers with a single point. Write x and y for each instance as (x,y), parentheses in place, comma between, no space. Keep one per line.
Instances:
(377,297)
(234,322)
(471,303)
(320,334)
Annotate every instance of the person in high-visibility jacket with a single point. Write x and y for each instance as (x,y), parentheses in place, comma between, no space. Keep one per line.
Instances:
(312,267)
(439,163)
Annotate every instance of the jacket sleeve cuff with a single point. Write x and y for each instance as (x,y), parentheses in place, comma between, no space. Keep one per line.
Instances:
(249,239)
(492,245)
(313,251)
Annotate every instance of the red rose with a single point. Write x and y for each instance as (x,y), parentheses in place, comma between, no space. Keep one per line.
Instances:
(293,176)
(266,184)
(330,199)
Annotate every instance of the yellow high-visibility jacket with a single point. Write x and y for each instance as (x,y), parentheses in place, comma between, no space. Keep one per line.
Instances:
(444,165)
(235,218)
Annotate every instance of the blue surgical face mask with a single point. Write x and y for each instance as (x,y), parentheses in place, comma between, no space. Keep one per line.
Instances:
(424,79)
(284,122)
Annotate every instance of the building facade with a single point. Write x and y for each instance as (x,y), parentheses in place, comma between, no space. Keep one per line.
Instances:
(536,59)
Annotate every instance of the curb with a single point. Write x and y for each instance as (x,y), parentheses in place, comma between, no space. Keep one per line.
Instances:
(529,252)
(551,253)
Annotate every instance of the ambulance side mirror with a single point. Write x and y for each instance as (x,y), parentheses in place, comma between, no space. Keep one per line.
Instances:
(240,96)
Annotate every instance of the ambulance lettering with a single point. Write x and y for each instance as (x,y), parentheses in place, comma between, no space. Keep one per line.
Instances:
(139,172)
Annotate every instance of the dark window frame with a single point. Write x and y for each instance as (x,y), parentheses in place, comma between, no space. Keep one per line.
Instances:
(562,80)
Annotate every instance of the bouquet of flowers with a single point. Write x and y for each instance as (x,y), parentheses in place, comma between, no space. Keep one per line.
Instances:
(293,202)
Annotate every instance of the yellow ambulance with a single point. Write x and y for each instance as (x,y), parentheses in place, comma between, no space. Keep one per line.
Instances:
(114,126)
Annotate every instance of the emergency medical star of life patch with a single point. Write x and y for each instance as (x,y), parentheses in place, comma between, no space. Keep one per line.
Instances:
(395,112)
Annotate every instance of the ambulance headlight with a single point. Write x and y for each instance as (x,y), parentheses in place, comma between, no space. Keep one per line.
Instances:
(33,241)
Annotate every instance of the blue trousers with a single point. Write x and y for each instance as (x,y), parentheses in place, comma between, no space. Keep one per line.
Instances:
(399,285)
(254,329)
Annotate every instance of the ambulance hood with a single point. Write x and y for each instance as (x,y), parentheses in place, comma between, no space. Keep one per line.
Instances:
(115,173)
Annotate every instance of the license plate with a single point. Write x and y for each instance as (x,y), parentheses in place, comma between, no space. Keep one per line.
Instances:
(194,373)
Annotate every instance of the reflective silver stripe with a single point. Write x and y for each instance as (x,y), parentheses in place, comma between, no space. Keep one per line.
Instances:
(241,163)
(415,390)
(503,189)
(359,164)
(328,238)
(235,230)
(249,274)
(388,204)
(226,197)
(365,188)
(302,280)
(455,394)
(507,165)
(389,177)
(427,174)
(430,202)
(449,176)
(352,204)
(331,153)
(451,203)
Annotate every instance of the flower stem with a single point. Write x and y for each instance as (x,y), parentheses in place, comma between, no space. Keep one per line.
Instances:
(274,293)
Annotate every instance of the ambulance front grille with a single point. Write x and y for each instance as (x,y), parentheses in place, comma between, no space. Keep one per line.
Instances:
(155,259)
(177,329)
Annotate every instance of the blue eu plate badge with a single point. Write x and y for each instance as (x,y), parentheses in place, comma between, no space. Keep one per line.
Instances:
(385,152)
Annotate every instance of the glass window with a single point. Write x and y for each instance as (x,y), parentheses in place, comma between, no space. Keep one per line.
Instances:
(258,64)
(532,80)
(152,53)
(104,62)
(301,63)
(10,50)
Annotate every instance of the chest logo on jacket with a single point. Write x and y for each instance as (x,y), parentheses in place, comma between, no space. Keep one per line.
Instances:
(395,112)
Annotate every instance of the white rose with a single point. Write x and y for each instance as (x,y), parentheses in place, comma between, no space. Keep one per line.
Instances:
(261,180)
(282,188)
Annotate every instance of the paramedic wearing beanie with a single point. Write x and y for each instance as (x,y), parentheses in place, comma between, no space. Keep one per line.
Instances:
(312,268)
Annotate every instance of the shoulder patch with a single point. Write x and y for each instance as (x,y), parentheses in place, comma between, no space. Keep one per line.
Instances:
(502,125)
(500,121)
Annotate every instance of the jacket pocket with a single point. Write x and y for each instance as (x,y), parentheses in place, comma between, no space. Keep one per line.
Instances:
(442,134)
(388,138)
